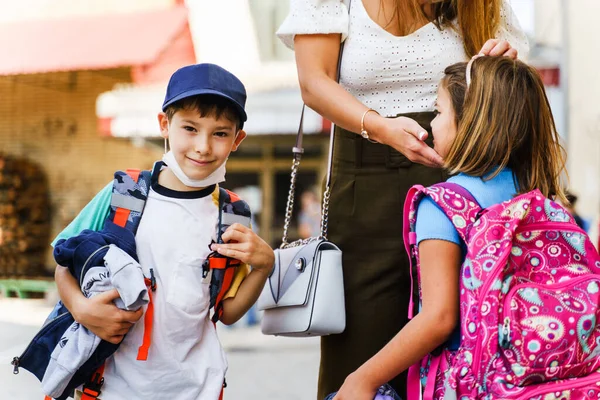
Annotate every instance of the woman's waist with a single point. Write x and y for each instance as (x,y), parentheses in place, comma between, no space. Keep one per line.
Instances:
(350,147)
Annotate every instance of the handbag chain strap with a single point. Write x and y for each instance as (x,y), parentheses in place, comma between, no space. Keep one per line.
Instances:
(298,150)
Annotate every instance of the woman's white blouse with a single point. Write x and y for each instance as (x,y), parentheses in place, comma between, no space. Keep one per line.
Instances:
(391,74)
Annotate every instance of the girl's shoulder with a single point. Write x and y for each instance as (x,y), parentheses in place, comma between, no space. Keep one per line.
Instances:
(491,191)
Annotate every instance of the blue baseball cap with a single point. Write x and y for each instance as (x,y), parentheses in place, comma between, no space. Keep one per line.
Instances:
(197,79)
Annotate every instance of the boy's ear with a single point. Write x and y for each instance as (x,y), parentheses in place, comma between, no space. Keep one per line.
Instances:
(241,135)
(163,123)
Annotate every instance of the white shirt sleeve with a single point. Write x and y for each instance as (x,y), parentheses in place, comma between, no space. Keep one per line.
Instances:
(308,17)
(510,30)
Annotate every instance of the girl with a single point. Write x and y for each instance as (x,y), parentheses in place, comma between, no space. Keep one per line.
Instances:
(496,131)
(395,52)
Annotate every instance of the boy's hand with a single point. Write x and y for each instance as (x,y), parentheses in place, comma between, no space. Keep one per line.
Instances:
(243,244)
(101,316)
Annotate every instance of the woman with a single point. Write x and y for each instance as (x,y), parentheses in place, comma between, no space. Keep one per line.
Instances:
(395,52)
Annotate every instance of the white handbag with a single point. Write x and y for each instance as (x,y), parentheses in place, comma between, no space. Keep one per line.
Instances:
(304,295)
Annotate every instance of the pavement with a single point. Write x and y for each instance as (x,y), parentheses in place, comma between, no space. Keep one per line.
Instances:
(260,367)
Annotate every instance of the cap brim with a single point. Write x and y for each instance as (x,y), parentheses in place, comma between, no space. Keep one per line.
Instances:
(197,92)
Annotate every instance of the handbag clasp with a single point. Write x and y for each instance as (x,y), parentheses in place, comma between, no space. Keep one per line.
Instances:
(300,264)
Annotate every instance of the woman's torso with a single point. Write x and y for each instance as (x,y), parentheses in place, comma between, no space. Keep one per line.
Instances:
(396,74)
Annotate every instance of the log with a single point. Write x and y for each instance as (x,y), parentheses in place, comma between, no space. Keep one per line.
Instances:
(24,218)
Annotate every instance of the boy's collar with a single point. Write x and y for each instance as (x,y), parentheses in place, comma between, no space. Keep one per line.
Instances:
(177,194)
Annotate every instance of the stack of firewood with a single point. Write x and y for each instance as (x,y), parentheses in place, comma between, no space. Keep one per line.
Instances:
(24,218)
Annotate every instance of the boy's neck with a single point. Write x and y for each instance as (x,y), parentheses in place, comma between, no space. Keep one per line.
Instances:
(167,179)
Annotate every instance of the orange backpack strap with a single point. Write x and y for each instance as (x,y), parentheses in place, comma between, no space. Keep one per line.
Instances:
(229,274)
(232,210)
(148,318)
(223,389)
(122,213)
(129,194)
(233,197)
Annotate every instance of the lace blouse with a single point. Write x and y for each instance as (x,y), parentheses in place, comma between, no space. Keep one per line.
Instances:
(391,74)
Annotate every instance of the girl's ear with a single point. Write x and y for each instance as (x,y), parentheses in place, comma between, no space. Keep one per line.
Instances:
(163,123)
(240,136)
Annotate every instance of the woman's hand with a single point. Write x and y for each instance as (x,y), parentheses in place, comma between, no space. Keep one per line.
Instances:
(356,388)
(406,136)
(497,47)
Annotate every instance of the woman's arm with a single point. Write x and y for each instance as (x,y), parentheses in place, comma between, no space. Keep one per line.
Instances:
(316,59)
(440,270)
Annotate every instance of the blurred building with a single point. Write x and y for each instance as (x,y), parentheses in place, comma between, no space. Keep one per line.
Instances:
(567,31)
(56,70)
(85,80)
(582,60)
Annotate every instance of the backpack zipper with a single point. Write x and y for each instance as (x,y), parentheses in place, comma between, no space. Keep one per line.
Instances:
(484,291)
(568,384)
(16,361)
(550,226)
(85,264)
(561,226)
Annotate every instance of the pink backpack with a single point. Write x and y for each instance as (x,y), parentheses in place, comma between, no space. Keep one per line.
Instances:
(529,302)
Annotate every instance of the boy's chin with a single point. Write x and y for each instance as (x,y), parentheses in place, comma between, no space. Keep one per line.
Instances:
(197,176)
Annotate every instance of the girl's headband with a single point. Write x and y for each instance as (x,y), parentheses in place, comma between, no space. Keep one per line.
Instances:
(469,67)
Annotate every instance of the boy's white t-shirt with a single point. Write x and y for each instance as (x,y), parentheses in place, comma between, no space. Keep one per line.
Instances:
(185,360)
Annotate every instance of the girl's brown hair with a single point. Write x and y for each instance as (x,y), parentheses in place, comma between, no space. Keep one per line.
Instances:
(504,120)
(476,20)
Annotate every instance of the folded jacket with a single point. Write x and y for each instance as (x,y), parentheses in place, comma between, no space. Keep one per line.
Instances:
(100,265)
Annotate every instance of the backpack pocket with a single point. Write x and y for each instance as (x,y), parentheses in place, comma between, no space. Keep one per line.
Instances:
(550,332)
(584,388)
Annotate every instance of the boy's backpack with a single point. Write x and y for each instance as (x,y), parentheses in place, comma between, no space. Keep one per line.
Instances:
(129,194)
(529,302)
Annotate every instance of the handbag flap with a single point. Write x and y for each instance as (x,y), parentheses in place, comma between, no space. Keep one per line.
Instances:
(290,282)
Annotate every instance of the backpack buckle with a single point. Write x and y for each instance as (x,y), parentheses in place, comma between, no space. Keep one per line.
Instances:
(92,387)
(152,280)
(205,268)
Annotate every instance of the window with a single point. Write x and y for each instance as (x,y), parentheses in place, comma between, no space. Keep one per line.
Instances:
(267,16)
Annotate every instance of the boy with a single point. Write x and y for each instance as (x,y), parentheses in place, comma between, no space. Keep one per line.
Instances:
(202,119)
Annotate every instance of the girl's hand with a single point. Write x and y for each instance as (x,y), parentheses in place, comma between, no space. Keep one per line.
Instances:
(243,244)
(497,47)
(355,388)
(407,136)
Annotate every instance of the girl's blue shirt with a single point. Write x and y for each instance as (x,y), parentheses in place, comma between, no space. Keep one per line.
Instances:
(432,223)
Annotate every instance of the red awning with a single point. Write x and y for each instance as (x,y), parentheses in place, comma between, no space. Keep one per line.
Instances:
(90,42)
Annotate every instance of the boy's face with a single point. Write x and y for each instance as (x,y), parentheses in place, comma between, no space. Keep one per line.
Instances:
(200,144)
(443,125)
